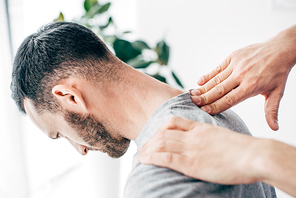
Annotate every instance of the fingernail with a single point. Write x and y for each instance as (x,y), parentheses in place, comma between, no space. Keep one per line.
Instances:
(195,92)
(206,109)
(200,80)
(195,100)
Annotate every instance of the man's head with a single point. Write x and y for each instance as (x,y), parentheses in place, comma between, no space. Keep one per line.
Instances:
(49,72)
(57,51)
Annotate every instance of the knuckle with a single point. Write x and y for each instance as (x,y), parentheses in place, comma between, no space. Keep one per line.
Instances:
(271,114)
(168,158)
(213,108)
(273,111)
(252,83)
(219,69)
(220,89)
(204,99)
(161,145)
(229,100)
(207,76)
(217,79)
(202,90)
(249,86)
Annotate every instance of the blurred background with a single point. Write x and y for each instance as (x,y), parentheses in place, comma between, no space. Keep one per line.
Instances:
(200,34)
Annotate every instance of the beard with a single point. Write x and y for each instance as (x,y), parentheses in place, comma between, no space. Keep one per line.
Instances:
(95,134)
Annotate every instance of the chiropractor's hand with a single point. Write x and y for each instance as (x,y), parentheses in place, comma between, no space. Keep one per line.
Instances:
(203,151)
(256,69)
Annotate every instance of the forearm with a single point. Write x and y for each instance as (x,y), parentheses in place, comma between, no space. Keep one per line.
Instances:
(276,165)
(287,38)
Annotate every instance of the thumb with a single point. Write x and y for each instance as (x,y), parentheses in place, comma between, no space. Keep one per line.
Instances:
(272,103)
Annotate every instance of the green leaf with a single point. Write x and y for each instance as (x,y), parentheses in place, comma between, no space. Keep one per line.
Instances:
(104,8)
(108,23)
(124,50)
(160,78)
(126,32)
(97,9)
(88,4)
(93,11)
(139,63)
(60,18)
(109,38)
(177,80)
(140,45)
(163,51)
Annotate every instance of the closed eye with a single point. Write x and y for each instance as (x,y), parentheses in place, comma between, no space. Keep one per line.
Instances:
(57,136)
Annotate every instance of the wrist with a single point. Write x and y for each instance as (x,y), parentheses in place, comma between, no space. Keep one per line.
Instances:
(260,165)
(287,38)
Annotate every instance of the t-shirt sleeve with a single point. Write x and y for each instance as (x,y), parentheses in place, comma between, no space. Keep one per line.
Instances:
(152,181)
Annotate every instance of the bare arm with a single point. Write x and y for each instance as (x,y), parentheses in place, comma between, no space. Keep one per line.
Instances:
(219,155)
(279,167)
(261,68)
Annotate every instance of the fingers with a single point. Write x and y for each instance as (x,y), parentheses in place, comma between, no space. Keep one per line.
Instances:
(202,80)
(272,104)
(179,123)
(230,99)
(166,141)
(169,160)
(169,134)
(214,94)
(212,83)
(162,145)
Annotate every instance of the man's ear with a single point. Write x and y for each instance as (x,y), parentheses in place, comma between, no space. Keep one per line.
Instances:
(69,97)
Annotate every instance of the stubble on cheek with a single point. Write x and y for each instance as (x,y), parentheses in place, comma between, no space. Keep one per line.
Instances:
(96,135)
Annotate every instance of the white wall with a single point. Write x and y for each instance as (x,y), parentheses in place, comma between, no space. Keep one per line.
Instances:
(202,33)
(13,178)
(54,168)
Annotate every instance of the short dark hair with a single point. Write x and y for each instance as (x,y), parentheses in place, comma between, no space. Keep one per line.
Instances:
(57,51)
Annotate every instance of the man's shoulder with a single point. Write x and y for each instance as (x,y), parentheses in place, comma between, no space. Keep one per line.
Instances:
(182,106)
(154,181)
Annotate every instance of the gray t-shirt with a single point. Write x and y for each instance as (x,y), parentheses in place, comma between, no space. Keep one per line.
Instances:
(153,181)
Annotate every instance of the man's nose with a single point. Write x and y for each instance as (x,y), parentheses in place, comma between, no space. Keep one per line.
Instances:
(80,148)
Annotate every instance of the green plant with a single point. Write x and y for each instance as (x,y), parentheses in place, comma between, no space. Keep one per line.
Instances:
(133,53)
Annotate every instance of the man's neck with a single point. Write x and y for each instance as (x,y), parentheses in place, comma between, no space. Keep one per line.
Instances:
(134,99)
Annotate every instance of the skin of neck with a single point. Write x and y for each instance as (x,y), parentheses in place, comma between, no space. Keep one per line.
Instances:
(126,103)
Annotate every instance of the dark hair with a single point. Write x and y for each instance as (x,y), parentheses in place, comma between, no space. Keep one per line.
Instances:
(57,51)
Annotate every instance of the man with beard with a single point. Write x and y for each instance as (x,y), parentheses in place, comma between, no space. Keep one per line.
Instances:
(72,86)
